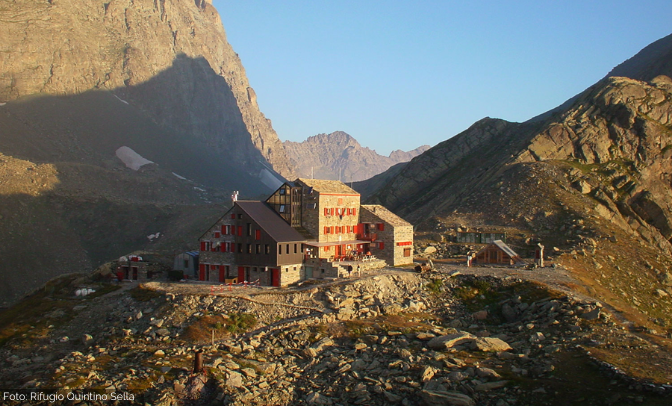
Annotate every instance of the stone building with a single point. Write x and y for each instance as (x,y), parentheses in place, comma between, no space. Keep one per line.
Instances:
(306,229)
(391,236)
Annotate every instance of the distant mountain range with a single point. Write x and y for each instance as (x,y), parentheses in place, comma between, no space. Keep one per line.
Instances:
(338,156)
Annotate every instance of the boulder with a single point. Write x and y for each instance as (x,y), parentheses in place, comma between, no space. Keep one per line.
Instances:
(443,343)
(490,344)
(443,398)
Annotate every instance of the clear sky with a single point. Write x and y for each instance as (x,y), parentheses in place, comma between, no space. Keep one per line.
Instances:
(399,74)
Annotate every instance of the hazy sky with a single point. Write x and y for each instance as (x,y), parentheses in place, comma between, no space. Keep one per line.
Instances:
(399,74)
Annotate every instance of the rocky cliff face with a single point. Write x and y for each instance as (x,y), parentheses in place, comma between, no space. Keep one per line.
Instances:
(80,79)
(338,156)
(591,180)
(166,58)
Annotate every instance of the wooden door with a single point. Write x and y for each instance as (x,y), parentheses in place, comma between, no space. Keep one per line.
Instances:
(135,273)
(201,272)
(222,273)
(275,277)
(241,274)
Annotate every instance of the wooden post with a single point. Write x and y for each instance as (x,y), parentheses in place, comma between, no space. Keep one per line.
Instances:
(198,362)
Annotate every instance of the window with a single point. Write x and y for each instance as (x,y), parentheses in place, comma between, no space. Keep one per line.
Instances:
(267,249)
(407,252)
(240,248)
(240,216)
(279,249)
(282,208)
(340,201)
(249,229)
(326,230)
(249,248)
(258,249)
(186,264)
(296,249)
(257,235)
(287,249)
(282,191)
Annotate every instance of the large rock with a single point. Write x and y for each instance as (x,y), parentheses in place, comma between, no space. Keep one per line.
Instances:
(443,398)
(443,343)
(490,344)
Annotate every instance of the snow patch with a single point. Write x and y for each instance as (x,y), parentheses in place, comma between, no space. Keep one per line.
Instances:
(153,236)
(199,189)
(120,99)
(2,104)
(131,159)
(178,176)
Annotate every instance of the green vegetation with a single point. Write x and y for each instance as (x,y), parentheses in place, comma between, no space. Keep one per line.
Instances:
(240,322)
(144,294)
(435,286)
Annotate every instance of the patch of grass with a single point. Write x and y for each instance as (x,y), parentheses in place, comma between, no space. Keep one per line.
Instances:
(435,286)
(404,322)
(29,313)
(144,294)
(240,322)
(207,326)
(104,290)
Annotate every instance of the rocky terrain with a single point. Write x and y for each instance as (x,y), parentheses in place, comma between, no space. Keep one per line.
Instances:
(588,180)
(338,156)
(392,338)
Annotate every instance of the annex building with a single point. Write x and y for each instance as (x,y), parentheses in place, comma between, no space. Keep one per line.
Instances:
(306,229)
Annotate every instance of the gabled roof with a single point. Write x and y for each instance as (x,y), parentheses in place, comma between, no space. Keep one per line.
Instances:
(328,186)
(384,214)
(270,221)
(502,246)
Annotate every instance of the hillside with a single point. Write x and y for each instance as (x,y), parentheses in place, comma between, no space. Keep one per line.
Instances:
(338,156)
(591,181)
(85,84)
(394,337)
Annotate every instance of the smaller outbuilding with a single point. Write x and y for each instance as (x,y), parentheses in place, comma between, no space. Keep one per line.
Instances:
(498,253)
(187,262)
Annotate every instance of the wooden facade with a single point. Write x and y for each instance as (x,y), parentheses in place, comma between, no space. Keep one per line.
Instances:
(497,253)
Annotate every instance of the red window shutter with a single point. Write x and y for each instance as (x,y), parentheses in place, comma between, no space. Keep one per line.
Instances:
(202,245)
(381,245)
(233,216)
(240,231)
(217,234)
(381,226)
(326,211)
(233,230)
(332,229)
(326,230)
(257,234)
(233,247)
(331,211)
(354,212)
(223,230)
